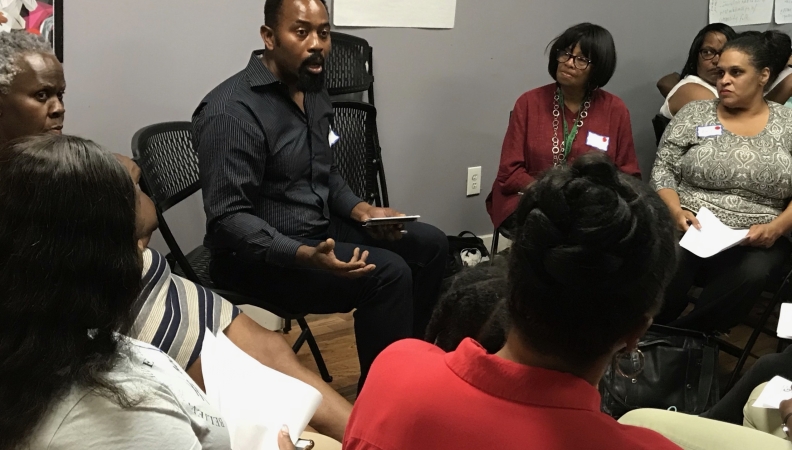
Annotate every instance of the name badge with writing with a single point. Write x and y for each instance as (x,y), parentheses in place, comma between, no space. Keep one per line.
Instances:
(333,138)
(712,130)
(597,141)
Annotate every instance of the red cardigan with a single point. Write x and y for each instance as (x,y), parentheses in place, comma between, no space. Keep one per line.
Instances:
(527,148)
(419,398)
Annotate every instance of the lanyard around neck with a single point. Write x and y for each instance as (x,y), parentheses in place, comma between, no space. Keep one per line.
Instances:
(569,135)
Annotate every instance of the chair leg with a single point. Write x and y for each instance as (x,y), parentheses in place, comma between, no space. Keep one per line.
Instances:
(309,338)
(754,336)
(494,247)
(286,326)
(301,340)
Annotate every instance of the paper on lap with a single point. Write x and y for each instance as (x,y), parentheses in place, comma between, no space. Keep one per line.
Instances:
(713,238)
(254,400)
(776,391)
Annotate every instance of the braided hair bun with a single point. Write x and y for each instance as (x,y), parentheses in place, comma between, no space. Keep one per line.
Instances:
(593,253)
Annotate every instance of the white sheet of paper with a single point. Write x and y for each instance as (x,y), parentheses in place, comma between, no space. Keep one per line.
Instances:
(741,12)
(713,238)
(783,11)
(395,13)
(254,400)
(776,391)
(784,330)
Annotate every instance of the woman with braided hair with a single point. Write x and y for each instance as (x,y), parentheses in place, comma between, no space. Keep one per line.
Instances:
(594,250)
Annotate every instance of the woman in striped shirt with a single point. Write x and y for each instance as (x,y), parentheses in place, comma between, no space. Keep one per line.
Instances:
(171,313)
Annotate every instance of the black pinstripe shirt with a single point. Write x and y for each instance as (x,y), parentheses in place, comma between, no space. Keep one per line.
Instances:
(267,169)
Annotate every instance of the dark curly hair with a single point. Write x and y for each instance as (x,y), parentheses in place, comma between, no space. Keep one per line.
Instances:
(593,254)
(473,307)
(69,274)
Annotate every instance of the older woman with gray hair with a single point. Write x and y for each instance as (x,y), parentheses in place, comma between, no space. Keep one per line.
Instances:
(172,313)
(31,87)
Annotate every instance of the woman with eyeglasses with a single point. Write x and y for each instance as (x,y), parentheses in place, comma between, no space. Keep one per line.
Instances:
(700,73)
(553,125)
(730,155)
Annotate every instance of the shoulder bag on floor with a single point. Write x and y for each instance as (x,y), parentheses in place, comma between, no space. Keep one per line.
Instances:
(680,373)
(466,242)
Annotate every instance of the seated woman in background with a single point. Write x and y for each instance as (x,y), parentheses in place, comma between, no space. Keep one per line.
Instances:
(172,313)
(556,123)
(700,74)
(473,307)
(737,405)
(780,90)
(594,250)
(67,379)
(731,156)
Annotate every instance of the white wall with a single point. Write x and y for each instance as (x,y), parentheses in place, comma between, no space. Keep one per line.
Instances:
(444,96)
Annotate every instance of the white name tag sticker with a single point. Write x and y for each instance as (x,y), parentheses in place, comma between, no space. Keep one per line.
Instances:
(712,130)
(597,141)
(333,138)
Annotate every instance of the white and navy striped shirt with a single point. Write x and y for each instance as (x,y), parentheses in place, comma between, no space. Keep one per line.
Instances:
(267,168)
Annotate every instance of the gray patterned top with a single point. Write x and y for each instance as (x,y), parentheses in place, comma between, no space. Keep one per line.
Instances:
(744,181)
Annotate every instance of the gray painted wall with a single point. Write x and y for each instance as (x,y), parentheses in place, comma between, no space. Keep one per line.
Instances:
(443,96)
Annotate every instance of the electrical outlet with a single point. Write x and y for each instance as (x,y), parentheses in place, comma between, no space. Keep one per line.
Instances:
(474,181)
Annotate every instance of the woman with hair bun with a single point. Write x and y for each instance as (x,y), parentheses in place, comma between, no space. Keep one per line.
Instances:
(732,156)
(594,250)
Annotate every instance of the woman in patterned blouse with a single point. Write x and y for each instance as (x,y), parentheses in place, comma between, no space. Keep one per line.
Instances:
(732,156)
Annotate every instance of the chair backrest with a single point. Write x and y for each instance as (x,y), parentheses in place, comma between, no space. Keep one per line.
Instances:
(169,164)
(357,154)
(350,66)
(660,123)
(169,174)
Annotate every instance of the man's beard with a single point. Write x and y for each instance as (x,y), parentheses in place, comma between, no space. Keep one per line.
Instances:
(310,82)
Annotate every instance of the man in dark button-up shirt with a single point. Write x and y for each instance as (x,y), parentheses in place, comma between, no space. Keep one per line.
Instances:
(282,224)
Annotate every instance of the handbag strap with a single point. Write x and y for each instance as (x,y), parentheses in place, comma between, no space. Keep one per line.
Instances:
(706,379)
(465,233)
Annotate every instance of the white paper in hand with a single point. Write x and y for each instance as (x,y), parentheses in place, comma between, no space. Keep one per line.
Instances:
(784,330)
(713,238)
(776,391)
(254,400)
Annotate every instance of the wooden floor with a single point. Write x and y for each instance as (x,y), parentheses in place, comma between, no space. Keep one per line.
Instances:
(335,336)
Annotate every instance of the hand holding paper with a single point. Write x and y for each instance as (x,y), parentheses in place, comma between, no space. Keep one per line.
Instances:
(713,237)
(254,400)
(776,391)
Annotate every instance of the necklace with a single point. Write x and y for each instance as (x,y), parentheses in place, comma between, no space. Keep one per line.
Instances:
(559,156)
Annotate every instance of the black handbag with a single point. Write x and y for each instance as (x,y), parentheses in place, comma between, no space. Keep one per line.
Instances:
(466,240)
(680,373)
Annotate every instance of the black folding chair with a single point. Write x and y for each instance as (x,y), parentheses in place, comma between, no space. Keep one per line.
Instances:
(357,153)
(169,167)
(660,123)
(782,294)
(350,66)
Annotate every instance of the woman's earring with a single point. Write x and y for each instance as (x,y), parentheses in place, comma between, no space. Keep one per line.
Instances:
(634,362)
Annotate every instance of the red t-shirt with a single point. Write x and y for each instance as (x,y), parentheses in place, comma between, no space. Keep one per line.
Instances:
(418,397)
(528,146)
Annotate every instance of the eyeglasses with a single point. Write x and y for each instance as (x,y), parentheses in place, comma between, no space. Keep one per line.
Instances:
(708,53)
(580,62)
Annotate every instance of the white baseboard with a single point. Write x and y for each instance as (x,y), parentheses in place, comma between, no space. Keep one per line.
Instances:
(503,243)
